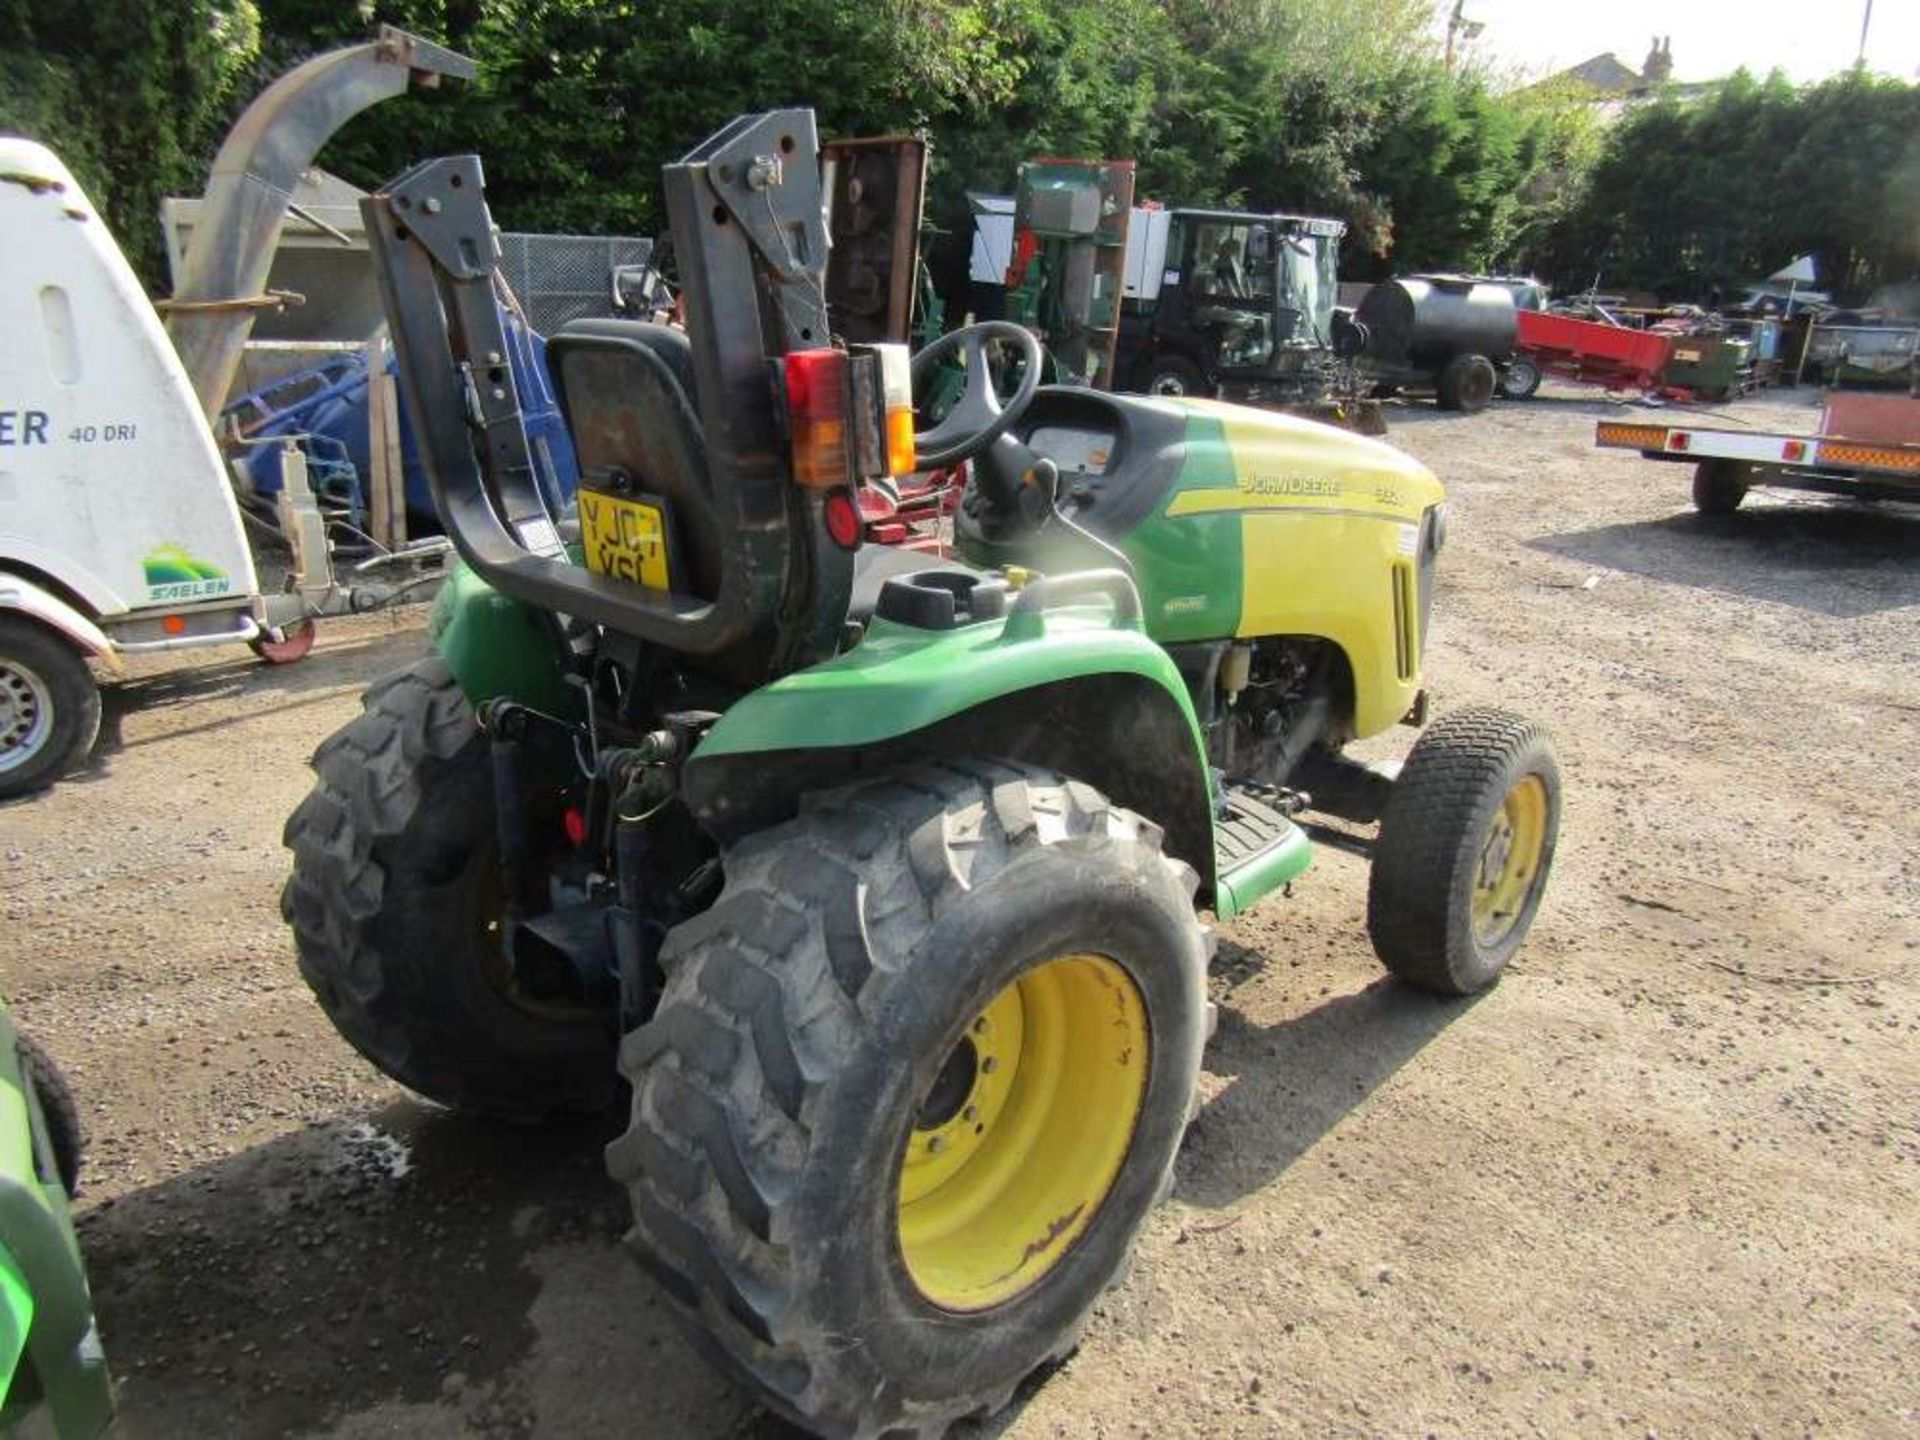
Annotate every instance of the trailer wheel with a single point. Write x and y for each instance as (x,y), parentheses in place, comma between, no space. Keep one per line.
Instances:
(49,707)
(1173,375)
(1720,485)
(294,643)
(1521,378)
(1466,384)
(914,1083)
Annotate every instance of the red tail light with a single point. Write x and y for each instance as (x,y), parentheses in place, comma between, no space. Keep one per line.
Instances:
(817,412)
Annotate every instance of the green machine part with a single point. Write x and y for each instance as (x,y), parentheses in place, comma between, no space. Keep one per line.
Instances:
(496,645)
(1713,366)
(1095,696)
(50,1355)
(1069,260)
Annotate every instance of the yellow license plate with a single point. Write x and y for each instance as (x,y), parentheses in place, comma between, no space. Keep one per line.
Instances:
(625,538)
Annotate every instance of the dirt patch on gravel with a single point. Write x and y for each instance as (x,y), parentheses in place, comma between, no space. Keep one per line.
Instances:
(1663,1179)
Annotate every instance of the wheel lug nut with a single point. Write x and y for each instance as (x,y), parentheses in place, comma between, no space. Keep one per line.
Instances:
(936,1144)
(971,1113)
(981,1026)
(989,1065)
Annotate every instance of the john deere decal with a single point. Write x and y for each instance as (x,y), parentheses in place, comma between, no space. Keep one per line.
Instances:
(173,575)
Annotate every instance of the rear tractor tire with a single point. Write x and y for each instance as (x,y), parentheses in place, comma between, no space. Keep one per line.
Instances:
(1465,846)
(1720,485)
(395,903)
(914,1083)
(1466,384)
(49,707)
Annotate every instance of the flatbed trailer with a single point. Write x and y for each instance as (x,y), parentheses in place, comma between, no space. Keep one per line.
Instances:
(1868,447)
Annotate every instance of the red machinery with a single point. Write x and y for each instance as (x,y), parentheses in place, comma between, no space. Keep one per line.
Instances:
(1592,353)
(917,517)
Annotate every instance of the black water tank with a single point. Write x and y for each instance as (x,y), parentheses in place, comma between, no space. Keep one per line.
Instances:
(1424,323)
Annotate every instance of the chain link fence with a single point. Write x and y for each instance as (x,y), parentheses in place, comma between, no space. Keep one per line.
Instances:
(567,277)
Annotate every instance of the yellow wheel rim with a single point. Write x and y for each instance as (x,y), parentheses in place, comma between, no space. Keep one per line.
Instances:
(1510,860)
(1018,1142)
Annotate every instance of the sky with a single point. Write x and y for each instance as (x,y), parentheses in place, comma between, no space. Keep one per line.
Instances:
(1808,39)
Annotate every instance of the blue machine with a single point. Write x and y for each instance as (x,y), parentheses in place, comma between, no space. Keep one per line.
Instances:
(326,406)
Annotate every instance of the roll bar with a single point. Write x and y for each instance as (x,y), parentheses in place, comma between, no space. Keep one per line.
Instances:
(751,242)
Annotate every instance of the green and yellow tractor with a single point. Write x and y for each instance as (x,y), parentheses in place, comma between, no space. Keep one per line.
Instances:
(870,881)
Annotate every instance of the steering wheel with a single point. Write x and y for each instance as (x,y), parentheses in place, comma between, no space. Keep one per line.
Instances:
(979,417)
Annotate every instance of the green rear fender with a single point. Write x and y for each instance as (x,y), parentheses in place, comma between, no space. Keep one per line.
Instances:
(496,645)
(1082,694)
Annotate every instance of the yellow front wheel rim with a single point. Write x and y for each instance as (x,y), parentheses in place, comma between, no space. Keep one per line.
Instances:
(1510,858)
(1019,1140)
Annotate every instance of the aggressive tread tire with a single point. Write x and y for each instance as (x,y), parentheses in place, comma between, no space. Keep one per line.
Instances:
(1420,891)
(804,1015)
(66,1136)
(394,864)
(70,694)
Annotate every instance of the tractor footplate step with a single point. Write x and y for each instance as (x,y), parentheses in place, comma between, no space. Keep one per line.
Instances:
(1253,819)
(1257,848)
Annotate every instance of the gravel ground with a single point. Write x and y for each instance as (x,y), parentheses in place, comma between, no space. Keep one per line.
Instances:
(1663,1179)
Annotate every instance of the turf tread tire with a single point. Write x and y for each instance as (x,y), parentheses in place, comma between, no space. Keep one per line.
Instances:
(768,994)
(1419,893)
(388,854)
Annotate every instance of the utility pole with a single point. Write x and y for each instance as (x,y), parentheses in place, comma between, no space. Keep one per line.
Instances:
(1866,20)
(1458,25)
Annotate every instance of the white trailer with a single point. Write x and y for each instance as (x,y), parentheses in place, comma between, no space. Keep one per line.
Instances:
(120,532)
(1867,446)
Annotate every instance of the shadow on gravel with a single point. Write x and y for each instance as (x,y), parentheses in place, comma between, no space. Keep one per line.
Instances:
(265,689)
(1415,413)
(344,1267)
(414,1273)
(1294,1081)
(1840,558)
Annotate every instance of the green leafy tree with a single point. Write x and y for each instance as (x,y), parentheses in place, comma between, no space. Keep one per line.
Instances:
(132,94)
(1684,199)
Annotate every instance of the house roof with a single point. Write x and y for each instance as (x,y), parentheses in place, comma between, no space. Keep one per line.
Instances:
(1605,73)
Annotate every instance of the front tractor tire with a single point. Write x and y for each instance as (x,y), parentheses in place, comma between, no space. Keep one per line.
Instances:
(914,1083)
(1466,843)
(395,903)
